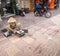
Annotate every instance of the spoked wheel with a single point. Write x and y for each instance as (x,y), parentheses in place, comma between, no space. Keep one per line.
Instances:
(48,14)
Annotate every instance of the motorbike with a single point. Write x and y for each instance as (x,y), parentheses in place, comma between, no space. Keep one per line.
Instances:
(43,11)
(20,11)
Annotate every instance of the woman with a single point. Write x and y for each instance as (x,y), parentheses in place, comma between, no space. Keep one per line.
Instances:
(14,28)
(13,25)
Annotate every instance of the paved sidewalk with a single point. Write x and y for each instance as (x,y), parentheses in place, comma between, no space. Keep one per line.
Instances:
(43,39)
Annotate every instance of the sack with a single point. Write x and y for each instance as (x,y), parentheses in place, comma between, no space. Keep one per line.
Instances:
(25,30)
(7,34)
(20,33)
(4,30)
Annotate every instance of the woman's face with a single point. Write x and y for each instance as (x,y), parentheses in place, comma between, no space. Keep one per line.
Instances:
(13,24)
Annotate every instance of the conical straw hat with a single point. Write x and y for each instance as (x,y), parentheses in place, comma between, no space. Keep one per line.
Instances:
(11,19)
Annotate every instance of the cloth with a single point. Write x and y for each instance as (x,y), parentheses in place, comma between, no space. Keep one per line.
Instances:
(15,27)
(18,7)
(38,6)
(46,2)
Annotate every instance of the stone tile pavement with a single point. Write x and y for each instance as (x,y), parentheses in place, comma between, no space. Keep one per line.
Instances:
(43,39)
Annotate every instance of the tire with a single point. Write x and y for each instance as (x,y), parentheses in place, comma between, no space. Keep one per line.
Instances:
(22,15)
(36,13)
(48,14)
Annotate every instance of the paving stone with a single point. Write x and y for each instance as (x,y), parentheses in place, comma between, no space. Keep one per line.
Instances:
(3,52)
(56,19)
(14,38)
(28,51)
(58,53)
(36,27)
(9,48)
(28,40)
(53,31)
(12,50)
(20,53)
(3,41)
(31,31)
(21,44)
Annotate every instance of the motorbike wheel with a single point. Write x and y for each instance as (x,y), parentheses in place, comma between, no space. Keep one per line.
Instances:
(48,14)
(36,13)
(22,15)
